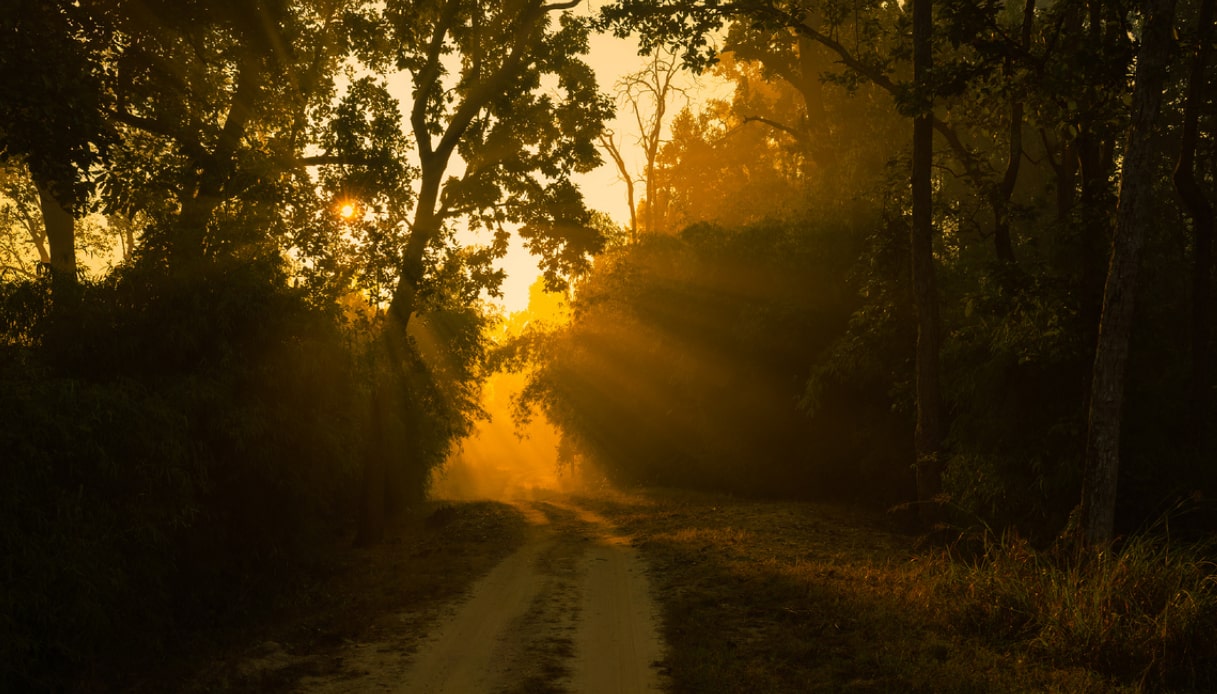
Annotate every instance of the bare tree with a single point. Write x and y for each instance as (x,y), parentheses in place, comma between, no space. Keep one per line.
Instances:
(646,95)
(609,143)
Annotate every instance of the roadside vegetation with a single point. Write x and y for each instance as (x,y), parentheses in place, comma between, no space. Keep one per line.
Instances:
(803,597)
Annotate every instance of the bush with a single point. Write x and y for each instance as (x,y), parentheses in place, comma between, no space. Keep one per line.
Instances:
(97,479)
(688,356)
(172,449)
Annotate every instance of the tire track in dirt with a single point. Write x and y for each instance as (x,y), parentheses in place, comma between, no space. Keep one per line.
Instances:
(617,646)
(570,611)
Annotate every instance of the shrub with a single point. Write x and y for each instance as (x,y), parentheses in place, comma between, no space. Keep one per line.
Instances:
(172,448)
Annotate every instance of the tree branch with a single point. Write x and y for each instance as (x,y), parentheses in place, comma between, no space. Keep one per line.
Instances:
(775,125)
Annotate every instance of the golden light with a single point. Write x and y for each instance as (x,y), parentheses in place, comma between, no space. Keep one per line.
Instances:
(347,210)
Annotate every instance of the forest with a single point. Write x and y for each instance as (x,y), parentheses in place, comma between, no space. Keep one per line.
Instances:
(951,260)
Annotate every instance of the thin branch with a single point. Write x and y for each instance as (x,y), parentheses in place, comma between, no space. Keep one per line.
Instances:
(775,125)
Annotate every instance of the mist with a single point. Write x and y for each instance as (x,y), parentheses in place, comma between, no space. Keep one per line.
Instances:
(503,459)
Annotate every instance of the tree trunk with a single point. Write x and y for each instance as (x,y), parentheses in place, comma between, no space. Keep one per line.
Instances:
(60,235)
(188,247)
(1097,508)
(927,439)
(1201,211)
(1004,244)
(390,353)
(1067,180)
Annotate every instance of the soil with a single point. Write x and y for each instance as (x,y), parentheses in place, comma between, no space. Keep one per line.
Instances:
(568,610)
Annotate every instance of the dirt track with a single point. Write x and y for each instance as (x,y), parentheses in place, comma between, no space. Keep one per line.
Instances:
(568,612)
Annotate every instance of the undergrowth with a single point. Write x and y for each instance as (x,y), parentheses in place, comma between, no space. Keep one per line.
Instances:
(1143,612)
(794,597)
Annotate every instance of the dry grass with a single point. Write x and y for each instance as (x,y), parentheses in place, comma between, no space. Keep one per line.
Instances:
(1145,612)
(792,597)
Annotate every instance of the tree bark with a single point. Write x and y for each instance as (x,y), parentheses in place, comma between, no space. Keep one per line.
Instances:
(1102,465)
(390,352)
(60,235)
(927,438)
(188,247)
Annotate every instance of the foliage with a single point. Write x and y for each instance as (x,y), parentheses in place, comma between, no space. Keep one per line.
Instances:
(52,109)
(172,440)
(686,354)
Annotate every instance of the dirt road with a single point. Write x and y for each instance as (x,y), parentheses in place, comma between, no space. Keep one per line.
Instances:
(569,612)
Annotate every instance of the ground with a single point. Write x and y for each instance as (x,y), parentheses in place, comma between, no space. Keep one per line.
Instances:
(650,591)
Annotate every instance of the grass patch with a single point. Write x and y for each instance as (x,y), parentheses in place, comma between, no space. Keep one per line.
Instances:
(796,597)
(1145,612)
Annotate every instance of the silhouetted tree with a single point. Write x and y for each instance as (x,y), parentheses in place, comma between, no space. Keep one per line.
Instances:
(519,146)
(1115,328)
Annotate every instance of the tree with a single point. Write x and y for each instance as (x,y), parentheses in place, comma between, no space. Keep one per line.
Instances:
(51,113)
(646,93)
(518,144)
(927,438)
(1102,465)
(736,161)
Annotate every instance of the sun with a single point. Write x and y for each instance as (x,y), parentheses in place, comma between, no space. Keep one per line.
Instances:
(347,210)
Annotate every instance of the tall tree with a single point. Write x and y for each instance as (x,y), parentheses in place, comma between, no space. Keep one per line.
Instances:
(518,142)
(645,94)
(927,438)
(1102,465)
